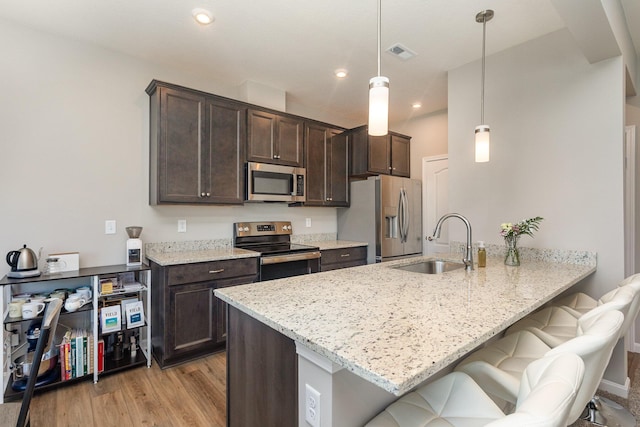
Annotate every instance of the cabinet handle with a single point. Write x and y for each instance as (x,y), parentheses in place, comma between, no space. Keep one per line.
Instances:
(208,194)
(216,271)
(202,194)
(344,255)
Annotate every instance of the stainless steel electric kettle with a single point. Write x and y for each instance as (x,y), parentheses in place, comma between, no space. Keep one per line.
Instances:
(23,262)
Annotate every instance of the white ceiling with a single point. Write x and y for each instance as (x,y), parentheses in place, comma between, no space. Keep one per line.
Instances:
(295,45)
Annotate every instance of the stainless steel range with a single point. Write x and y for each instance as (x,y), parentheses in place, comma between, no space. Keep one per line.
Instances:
(278,256)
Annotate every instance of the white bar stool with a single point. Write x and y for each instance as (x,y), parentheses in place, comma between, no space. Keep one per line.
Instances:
(497,367)
(547,392)
(557,324)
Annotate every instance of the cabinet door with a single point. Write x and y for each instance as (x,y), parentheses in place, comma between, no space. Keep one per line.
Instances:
(316,165)
(400,155)
(338,169)
(180,136)
(223,159)
(261,137)
(289,146)
(190,329)
(379,154)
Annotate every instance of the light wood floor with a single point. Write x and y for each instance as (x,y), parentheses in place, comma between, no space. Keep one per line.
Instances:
(191,395)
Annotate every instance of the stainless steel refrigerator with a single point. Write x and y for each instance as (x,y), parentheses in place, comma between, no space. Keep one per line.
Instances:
(386,212)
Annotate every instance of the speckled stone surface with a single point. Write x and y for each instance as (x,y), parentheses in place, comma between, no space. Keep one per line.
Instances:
(533,254)
(183,254)
(188,246)
(396,328)
(173,253)
(313,238)
(338,244)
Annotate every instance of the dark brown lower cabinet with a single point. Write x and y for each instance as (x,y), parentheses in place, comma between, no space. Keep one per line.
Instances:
(262,374)
(191,319)
(333,259)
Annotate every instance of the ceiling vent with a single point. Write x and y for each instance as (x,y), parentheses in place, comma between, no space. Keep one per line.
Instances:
(401,51)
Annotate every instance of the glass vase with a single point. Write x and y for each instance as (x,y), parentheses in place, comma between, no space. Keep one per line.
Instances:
(512,256)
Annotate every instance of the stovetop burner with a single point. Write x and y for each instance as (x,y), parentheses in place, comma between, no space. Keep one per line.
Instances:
(279,248)
(268,238)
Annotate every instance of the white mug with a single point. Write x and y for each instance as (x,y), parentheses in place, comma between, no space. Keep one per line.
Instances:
(32,309)
(15,308)
(74,302)
(85,292)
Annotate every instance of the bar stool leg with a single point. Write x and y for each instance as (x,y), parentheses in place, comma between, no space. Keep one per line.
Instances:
(606,412)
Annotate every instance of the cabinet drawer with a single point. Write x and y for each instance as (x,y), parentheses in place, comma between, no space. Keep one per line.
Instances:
(346,255)
(214,270)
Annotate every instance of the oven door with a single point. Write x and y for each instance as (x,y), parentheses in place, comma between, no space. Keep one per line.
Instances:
(289,265)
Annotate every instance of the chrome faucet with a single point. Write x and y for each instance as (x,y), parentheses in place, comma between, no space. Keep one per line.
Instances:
(468,256)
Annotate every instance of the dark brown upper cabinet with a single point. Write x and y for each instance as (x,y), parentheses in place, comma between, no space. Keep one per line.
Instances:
(197,143)
(275,138)
(327,159)
(375,155)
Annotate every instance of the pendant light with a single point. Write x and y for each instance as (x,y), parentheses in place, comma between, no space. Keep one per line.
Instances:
(483,130)
(378,95)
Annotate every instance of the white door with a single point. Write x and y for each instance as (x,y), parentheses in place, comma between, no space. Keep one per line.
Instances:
(435,202)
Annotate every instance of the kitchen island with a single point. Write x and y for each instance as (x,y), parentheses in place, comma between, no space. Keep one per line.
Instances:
(366,335)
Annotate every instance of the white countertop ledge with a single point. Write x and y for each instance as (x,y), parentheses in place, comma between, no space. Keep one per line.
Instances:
(396,328)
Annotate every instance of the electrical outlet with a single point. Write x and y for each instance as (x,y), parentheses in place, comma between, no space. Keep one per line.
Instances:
(182,226)
(308,222)
(312,406)
(110,226)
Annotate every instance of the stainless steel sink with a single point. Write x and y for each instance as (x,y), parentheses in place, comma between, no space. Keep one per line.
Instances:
(432,266)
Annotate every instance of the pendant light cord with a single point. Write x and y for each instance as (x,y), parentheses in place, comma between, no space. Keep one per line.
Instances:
(484,37)
(379,31)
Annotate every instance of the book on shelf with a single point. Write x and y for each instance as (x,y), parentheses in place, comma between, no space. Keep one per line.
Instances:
(110,320)
(75,354)
(100,355)
(124,302)
(134,314)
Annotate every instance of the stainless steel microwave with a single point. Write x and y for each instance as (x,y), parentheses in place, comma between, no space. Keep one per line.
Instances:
(274,183)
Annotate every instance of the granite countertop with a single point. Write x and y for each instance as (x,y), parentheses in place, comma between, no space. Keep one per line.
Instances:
(201,255)
(173,253)
(338,244)
(396,328)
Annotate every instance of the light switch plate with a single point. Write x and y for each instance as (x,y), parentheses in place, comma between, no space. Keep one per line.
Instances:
(182,226)
(110,226)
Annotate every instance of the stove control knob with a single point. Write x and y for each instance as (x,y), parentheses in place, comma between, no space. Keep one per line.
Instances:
(245,229)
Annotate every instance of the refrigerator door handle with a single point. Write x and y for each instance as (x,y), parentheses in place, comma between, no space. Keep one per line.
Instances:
(401,215)
(407,217)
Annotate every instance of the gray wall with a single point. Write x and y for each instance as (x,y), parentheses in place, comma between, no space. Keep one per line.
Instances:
(75,138)
(556,151)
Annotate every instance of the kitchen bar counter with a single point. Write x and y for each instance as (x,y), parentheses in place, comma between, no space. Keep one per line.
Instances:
(395,328)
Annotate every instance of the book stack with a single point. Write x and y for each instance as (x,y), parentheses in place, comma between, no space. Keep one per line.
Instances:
(76,354)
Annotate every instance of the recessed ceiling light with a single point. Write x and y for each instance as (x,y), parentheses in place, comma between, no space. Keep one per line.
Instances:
(416,105)
(202,16)
(341,73)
